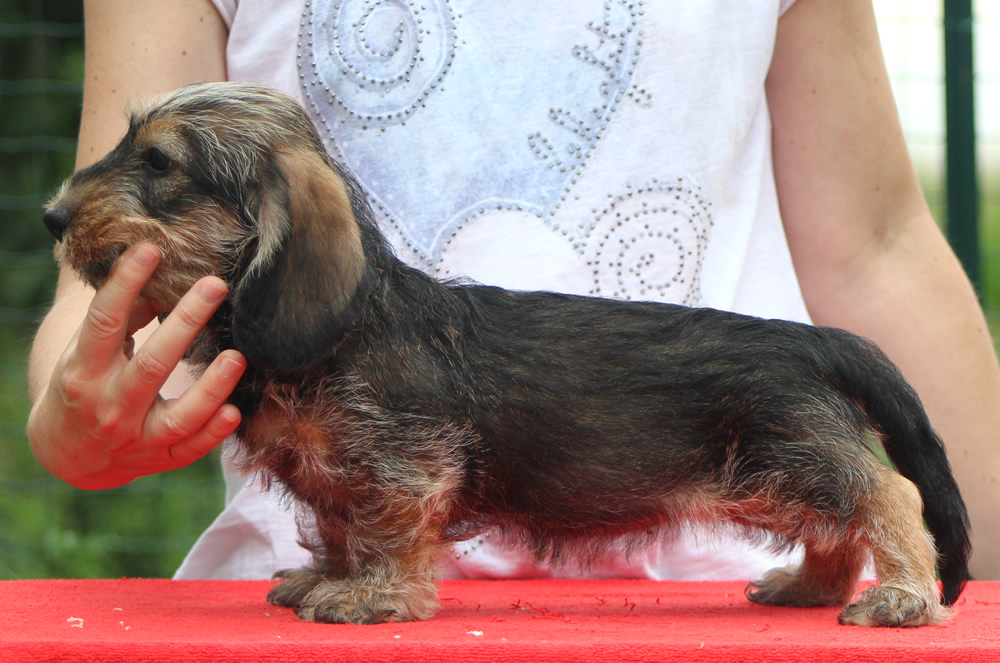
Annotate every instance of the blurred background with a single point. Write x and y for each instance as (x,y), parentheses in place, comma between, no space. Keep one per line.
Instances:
(48,529)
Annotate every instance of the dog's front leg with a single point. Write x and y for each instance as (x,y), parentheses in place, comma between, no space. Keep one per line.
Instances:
(379,569)
(329,564)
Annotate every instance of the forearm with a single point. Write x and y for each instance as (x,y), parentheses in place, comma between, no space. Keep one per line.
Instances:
(135,51)
(56,330)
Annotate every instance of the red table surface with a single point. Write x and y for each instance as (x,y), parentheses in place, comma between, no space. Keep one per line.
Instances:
(479,620)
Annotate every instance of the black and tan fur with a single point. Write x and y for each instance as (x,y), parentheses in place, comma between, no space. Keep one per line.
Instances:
(406,413)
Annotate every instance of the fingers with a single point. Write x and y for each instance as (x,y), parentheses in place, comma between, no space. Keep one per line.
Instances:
(105,327)
(221,425)
(106,422)
(159,355)
(200,415)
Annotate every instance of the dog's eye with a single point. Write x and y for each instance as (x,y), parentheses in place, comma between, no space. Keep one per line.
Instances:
(157,162)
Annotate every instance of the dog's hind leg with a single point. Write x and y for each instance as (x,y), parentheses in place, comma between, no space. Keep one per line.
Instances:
(890,522)
(827,576)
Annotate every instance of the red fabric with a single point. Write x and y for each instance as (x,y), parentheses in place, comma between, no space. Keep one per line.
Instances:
(495,621)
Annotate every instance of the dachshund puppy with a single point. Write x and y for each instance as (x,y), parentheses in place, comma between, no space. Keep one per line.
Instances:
(405,413)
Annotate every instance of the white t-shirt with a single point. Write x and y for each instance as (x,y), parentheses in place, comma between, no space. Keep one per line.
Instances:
(603,147)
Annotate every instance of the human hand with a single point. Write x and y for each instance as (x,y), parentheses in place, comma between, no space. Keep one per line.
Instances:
(101,422)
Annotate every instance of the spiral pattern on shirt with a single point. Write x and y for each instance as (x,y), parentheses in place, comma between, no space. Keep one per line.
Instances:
(382,57)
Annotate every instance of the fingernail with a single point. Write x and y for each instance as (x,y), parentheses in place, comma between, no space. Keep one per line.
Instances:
(211,292)
(145,255)
(230,368)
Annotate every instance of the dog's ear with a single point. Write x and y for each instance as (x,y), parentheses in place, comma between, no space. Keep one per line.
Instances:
(293,302)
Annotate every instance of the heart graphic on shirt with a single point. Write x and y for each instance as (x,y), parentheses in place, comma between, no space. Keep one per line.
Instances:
(415,97)
(648,244)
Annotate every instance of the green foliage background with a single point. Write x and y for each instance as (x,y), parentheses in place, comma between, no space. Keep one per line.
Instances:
(48,529)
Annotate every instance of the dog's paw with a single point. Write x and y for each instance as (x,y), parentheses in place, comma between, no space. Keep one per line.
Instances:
(788,587)
(346,602)
(892,606)
(295,586)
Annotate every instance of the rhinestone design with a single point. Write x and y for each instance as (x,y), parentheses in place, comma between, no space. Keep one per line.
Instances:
(649,243)
(369,67)
(384,57)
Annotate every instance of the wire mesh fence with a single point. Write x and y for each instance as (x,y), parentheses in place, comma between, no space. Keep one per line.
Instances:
(50,529)
(47,528)
(913,43)
(987,44)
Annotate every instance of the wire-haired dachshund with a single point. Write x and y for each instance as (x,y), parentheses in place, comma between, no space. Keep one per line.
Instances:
(406,413)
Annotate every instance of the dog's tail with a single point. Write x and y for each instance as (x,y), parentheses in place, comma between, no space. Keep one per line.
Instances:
(913,447)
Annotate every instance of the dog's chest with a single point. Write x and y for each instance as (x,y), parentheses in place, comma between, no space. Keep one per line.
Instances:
(336,449)
(301,442)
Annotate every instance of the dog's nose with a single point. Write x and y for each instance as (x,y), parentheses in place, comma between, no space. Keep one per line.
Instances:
(57,219)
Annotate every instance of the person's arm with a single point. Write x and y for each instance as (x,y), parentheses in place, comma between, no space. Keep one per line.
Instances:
(868,254)
(97,419)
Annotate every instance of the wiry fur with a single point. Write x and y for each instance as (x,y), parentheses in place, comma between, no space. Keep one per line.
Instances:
(404,413)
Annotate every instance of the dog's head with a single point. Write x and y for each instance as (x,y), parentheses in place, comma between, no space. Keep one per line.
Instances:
(228,179)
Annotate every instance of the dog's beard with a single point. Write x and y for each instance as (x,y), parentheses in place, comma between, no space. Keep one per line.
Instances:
(95,272)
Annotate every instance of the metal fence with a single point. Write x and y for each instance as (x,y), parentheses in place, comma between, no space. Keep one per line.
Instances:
(987,56)
(913,40)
